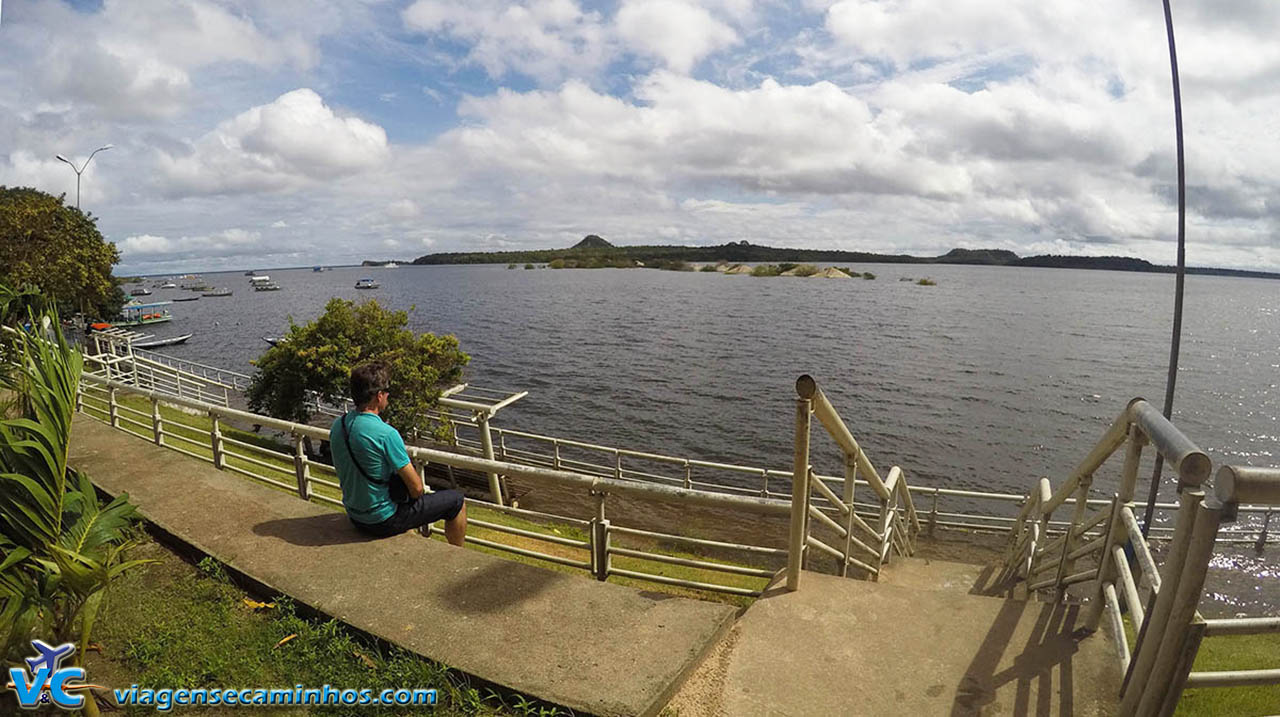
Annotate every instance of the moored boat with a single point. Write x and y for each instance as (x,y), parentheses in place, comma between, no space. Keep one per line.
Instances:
(265,286)
(140,291)
(367,284)
(187,298)
(157,343)
(143,314)
(217,292)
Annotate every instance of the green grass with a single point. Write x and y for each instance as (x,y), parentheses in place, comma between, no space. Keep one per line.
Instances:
(1233,652)
(196,427)
(927,282)
(173,625)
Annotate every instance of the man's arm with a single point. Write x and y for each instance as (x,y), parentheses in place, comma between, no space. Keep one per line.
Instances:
(412,480)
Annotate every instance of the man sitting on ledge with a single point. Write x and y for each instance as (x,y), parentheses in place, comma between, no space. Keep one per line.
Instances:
(381,491)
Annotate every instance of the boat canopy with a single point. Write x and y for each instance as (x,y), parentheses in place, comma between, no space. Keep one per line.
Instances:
(260,277)
(143,307)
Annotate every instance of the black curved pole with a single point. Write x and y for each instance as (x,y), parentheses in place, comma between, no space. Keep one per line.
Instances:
(1176,343)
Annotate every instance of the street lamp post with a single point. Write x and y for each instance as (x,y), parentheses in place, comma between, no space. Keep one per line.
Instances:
(82,167)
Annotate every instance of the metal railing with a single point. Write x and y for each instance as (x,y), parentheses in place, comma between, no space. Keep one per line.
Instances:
(865,546)
(297,472)
(1051,563)
(473,431)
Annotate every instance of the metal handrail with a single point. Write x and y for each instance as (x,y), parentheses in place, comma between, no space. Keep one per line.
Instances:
(600,531)
(897,524)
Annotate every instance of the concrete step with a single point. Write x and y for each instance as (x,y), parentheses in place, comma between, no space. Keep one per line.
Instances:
(851,647)
(945,575)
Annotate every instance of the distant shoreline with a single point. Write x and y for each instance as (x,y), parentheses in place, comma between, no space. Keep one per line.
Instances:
(594,252)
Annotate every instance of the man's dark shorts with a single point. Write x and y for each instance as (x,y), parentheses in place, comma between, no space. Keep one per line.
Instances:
(428,508)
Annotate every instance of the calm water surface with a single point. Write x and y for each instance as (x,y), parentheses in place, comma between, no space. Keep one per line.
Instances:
(987,381)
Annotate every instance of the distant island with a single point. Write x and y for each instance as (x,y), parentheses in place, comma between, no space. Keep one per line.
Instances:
(596,252)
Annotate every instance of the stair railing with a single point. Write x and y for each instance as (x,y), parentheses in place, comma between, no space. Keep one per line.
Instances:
(1169,628)
(1051,563)
(865,546)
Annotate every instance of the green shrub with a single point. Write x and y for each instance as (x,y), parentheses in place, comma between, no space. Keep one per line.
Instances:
(528,266)
(766,270)
(927,282)
(786,266)
(708,267)
(868,275)
(806,270)
(511,266)
(556,264)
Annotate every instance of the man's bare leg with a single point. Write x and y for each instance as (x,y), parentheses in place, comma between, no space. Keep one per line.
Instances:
(455,531)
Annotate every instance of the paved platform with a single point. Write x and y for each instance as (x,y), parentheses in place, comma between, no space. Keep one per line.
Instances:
(851,647)
(594,647)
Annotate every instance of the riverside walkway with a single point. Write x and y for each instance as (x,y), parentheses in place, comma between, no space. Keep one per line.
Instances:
(921,641)
(594,647)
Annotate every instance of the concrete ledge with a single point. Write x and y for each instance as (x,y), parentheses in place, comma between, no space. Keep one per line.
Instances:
(594,647)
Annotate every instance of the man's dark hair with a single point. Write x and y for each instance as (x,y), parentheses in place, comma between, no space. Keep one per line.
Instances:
(367,379)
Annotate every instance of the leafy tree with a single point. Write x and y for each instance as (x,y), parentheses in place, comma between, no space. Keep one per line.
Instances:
(59,547)
(59,250)
(318,357)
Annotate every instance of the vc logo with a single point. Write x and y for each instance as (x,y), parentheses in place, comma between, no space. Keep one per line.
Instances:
(48,680)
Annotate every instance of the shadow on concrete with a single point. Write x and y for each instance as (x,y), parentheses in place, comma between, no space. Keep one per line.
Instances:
(312,530)
(498,587)
(1050,647)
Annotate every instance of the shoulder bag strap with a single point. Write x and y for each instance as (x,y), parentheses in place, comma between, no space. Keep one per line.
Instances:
(346,436)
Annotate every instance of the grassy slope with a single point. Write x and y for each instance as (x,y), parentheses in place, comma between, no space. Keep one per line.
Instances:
(173,625)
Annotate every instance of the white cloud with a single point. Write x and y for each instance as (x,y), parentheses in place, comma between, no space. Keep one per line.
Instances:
(403,209)
(280,145)
(227,243)
(546,39)
(279,224)
(677,32)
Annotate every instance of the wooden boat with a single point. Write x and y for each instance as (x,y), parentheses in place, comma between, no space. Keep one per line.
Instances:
(140,291)
(217,292)
(187,298)
(157,343)
(367,284)
(266,286)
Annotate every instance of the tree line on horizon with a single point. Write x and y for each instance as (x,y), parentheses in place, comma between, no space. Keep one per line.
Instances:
(595,252)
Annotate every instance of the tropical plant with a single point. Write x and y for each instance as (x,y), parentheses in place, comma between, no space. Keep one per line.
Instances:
(316,360)
(59,548)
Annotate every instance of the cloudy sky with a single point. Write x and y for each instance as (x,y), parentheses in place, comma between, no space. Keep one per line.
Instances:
(294,132)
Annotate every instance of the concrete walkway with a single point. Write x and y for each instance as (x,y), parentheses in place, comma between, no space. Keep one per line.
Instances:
(597,648)
(925,646)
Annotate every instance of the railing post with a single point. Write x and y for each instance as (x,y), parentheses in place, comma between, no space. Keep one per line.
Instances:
(215,442)
(112,413)
(80,409)
(1065,563)
(850,475)
(617,464)
(799,495)
(688,475)
(933,514)
(486,445)
(1160,606)
(1185,599)
(555,457)
(157,425)
(600,556)
(1107,568)
(301,468)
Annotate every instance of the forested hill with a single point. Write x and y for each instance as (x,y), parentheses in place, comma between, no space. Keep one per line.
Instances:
(595,251)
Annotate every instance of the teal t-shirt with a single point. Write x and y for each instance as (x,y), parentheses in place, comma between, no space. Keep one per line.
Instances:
(381,453)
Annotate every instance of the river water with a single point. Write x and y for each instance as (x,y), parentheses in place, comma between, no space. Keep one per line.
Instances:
(989,380)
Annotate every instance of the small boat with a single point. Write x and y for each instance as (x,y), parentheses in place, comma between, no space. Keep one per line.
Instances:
(391,265)
(265,286)
(168,285)
(318,268)
(187,298)
(273,340)
(217,292)
(157,343)
(140,291)
(143,314)
(250,273)
(367,284)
